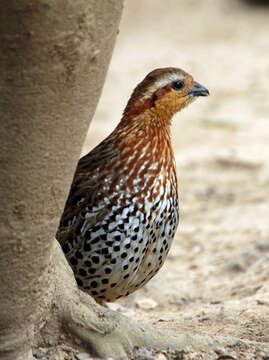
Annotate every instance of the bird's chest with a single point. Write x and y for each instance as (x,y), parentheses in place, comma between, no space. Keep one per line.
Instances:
(161,218)
(149,230)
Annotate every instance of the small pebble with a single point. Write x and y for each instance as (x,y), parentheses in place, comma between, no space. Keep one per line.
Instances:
(160,356)
(146,304)
(204,318)
(83,356)
(40,356)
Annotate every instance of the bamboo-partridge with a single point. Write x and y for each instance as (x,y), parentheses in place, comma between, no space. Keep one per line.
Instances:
(122,211)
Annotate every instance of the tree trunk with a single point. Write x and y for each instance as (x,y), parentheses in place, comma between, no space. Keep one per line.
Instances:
(53,59)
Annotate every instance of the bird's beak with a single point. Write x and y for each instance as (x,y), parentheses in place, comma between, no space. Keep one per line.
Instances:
(198,90)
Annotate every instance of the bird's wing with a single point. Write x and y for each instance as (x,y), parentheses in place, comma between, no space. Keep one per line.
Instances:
(87,182)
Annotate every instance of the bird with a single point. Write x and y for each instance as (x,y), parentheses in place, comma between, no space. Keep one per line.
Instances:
(122,211)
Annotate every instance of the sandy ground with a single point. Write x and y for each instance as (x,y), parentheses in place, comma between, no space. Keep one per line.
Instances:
(215,280)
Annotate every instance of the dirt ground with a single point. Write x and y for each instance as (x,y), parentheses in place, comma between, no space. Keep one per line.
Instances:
(216,278)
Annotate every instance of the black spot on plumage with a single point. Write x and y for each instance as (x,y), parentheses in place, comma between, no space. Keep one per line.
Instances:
(66,248)
(113,285)
(105,226)
(117,237)
(131,259)
(87,263)
(82,272)
(126,276)
(105,281)
(121,226)
(134,237)
(113,261)
(88,235)
(79,282)
(108,271)
(125,267)
(109,243)
(95,241)
(124,255)
(95,228)
(95,259)
(103,290)
(94,284)
(94,292)
(127,246)
(92,271)
(87,247)
(73,261)
(78,255)
(103,236)
(154,207)
(104,251)
(116,248)
(112,218)
(134,210)
(136,229)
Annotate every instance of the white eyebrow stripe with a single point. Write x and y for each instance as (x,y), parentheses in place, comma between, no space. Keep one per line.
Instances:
(167,79)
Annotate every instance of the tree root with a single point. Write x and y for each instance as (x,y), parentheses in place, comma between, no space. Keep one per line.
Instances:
(106,333)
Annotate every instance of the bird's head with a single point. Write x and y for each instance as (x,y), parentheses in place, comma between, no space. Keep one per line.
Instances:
(162,93)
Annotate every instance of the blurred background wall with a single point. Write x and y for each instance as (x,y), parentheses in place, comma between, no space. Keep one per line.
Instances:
(222,43)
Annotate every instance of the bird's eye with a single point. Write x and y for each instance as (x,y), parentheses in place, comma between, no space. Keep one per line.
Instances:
(177,85)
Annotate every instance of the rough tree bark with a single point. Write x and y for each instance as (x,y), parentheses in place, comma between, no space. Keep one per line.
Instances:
(53,59)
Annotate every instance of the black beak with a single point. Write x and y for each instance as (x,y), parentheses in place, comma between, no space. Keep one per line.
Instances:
(198,90)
